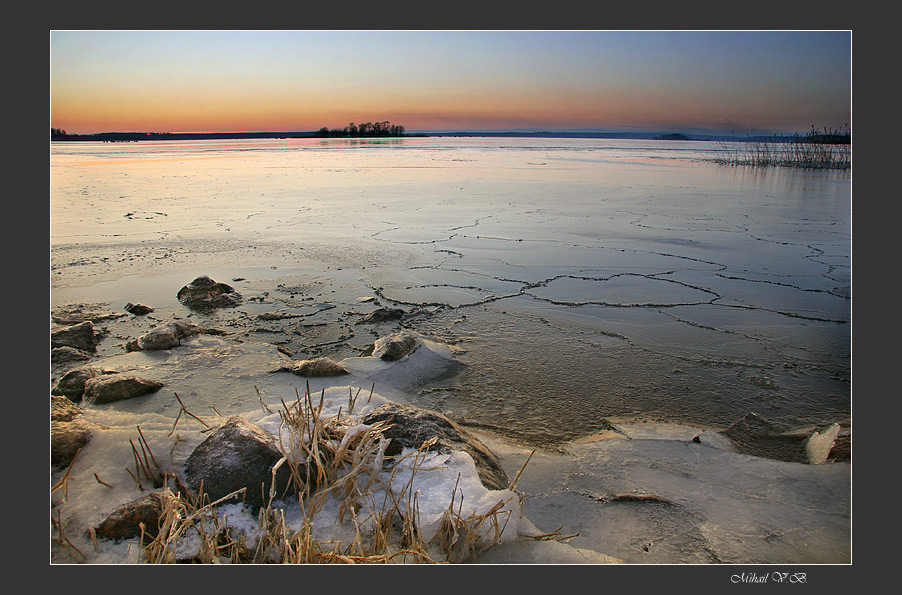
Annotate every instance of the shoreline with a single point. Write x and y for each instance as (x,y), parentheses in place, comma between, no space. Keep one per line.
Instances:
(636,471)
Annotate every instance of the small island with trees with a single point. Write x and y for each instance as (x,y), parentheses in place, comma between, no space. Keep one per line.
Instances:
(365,129)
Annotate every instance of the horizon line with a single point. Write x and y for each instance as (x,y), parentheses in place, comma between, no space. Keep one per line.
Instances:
(521,130)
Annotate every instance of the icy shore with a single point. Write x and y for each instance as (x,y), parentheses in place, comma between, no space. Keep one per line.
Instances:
(639,492)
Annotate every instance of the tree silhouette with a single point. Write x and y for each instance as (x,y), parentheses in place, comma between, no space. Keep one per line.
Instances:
(384,128)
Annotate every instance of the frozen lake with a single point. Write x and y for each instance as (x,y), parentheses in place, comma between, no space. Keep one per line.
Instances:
(574,280)
(579,278)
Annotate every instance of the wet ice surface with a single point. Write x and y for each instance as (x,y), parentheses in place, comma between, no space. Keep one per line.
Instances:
(571,281)
(652,495)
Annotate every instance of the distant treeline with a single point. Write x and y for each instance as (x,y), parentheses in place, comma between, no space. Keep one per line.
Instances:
(826,136)
(366,129)
(119,137)
(672,136)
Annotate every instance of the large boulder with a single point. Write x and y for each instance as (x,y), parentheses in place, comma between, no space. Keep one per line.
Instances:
(205,294)
(72,384)
(412,426)
(117,387)
(166,336)
(78,336)
(239,454)
(395,346)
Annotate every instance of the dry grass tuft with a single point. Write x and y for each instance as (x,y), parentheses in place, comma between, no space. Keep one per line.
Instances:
(331,459)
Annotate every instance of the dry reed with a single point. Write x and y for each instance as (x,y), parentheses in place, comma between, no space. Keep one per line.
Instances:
(330,459)
(818,149)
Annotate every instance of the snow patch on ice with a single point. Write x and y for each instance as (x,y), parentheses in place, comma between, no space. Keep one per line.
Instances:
(820,444)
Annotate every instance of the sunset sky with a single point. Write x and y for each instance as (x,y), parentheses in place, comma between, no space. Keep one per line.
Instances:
(182,81)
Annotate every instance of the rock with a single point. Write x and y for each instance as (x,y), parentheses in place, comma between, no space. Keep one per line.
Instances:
(138,309)
(68,355)
(78,313)
(62,409)
(67,433)
(165,337)
(760,437)
(72,384)
(239,454)
(206,294)
(411,427)
(79,336)
(66,437)
(382,315)
(124,522)
(396,346)
(319,367)
(116,387)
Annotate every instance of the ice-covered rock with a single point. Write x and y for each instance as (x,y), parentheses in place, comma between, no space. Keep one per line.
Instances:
(318,367)
(239,454)
(165,337)
(395,346)
(427,362)
(411,427)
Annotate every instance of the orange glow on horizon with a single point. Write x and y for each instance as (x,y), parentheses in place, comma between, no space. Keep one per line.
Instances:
(230,81)
(91,114)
